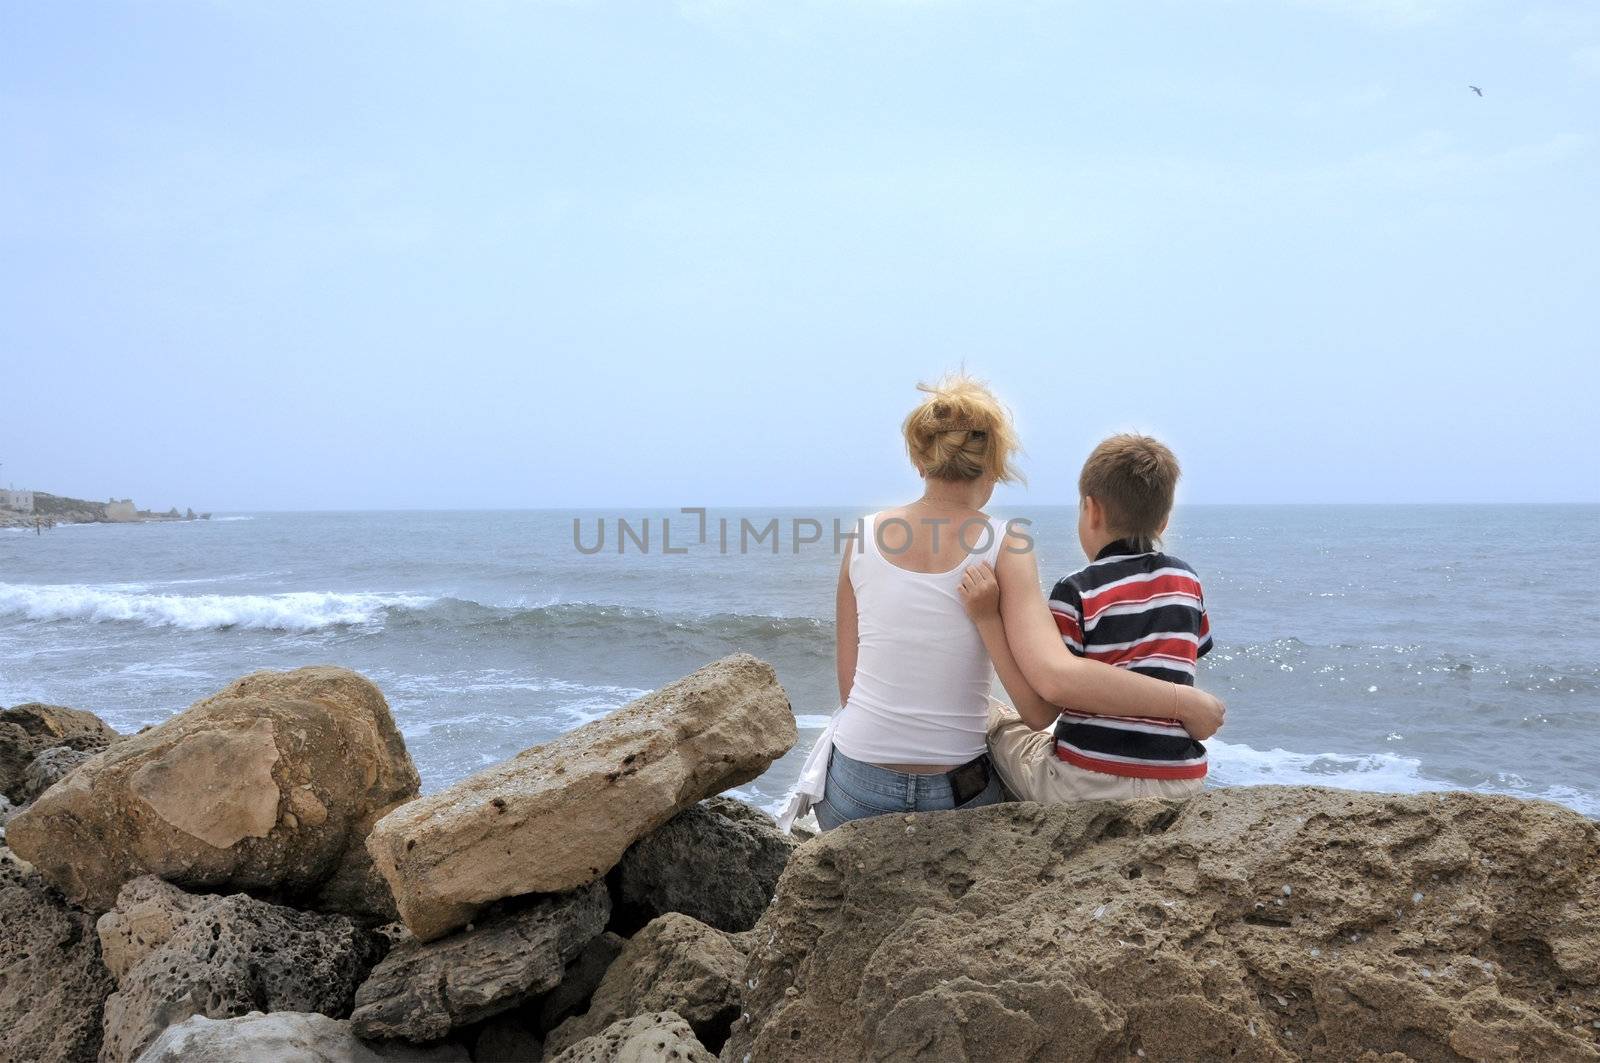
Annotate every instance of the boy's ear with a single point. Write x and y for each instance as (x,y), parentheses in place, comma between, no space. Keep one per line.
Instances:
(1093,511)
(1163,529)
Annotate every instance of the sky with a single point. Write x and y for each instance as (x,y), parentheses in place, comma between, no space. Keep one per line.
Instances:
(282,255)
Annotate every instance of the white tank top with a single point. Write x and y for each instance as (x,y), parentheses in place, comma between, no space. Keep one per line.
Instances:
(921,689)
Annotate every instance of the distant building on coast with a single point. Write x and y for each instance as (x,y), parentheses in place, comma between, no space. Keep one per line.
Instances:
(21,501)
(121,509)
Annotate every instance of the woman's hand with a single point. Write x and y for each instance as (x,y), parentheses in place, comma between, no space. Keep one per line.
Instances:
(1200,713)
(980,593)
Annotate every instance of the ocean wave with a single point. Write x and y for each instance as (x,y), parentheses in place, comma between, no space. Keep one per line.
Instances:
(587,618)
(310,611)
(1241,765)
(294,612)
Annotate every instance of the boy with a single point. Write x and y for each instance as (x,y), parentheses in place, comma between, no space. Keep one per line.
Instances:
(1133,607)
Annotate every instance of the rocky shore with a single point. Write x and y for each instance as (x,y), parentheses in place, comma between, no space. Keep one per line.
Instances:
(50,510)
(258,878)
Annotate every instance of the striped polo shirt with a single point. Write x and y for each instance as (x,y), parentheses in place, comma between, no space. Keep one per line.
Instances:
(1144,611)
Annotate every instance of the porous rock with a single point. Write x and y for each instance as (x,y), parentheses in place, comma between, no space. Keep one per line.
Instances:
(53,985)
(28,730)
(562,814)
(175,954)
(1246,924)
(656,1037)
(675,963)
(717,861)
(265,786)
(423,990)
(283,1036)
(49,768)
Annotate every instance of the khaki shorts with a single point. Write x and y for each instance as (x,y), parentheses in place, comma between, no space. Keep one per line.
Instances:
(1028,767)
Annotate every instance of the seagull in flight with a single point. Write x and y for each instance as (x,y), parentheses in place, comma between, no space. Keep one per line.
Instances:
(1476,89)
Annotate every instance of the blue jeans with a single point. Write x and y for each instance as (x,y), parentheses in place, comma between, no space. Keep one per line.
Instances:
(856,790)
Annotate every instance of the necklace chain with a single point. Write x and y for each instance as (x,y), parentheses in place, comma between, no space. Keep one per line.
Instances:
(927,500)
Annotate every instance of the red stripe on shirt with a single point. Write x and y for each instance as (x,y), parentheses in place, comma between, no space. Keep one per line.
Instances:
(1139,590)
(1068,625)
(1150,770)
(1167,649)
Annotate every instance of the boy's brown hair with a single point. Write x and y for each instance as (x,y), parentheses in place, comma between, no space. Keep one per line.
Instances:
(1133,477)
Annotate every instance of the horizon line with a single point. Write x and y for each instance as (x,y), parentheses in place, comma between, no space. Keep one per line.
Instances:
(674,510)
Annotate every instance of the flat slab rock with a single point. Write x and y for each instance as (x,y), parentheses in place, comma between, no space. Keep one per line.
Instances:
(1265,923)
(283,1036)
(657,1037)
(560,815)
(423,990)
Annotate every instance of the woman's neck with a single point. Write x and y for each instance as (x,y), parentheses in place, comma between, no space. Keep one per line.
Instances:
(944,495)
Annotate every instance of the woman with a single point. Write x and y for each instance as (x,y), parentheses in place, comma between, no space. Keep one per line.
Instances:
(914,678)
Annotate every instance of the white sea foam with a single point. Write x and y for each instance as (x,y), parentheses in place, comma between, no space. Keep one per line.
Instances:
(236,577)
(298,611)
(162,670)
(1242,765)
(587,710)
(497,680)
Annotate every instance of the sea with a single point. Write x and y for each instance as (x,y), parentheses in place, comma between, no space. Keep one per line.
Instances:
(1386,648)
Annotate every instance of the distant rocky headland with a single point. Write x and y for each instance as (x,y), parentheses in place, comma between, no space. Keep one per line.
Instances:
(258,878)
(31,509)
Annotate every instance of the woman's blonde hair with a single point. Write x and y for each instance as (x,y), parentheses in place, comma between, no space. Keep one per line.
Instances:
(960,431)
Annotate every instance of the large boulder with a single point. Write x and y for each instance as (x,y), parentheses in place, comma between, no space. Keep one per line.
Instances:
(658,1037)
(422,991)
(717,861)
(676,963)
(28,730)
(266,786)
(281,1037)
(560,815)
(53,985)
(175,954)
(1246,924)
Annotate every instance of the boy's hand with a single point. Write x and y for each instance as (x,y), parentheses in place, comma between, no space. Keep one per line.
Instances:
(980,592)
(1203,713)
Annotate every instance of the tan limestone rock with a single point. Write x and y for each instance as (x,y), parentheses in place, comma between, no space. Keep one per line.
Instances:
(562,814)
(270,786)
